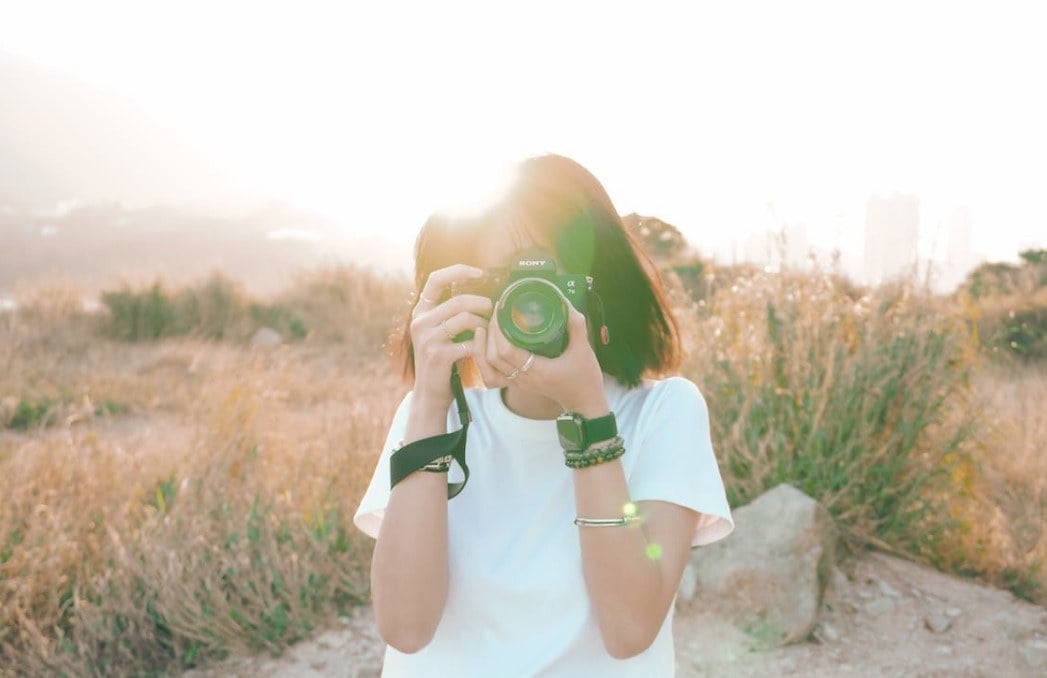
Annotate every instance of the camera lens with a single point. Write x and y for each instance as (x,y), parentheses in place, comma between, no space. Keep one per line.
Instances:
(533,310)
(532,314)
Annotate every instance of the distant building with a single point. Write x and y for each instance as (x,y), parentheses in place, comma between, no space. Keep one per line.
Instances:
(891,236)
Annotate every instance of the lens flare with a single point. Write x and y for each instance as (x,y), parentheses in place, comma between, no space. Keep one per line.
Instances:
(629,510)
(654,551)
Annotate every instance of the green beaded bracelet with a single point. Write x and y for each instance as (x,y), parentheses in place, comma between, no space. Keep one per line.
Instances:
(600,455)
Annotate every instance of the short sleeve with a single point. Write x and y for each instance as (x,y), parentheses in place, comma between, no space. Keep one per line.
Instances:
(369,514)
(675,460)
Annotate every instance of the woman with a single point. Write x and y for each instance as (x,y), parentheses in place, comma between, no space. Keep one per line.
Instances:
(562,556)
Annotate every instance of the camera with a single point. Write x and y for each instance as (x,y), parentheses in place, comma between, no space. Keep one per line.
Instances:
(531,301)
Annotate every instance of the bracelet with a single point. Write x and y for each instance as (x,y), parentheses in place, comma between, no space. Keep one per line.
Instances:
(605,522)
(592,457)
(438,465)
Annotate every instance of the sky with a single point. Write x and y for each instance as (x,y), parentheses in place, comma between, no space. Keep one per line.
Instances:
(724,119)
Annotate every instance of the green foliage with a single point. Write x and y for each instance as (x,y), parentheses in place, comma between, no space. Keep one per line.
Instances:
(847,405)
(280,318)
(992,279)
(139,316)
(110,407)
(211,310)
(32,413)
(341,304)
(1024,333)
(1035,257)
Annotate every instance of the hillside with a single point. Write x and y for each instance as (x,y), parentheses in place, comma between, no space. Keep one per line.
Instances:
(63,140)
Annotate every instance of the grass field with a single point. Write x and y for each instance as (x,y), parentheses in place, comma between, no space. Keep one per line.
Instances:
(170,494)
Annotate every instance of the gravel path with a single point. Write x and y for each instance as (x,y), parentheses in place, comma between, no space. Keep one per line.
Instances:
(882,616)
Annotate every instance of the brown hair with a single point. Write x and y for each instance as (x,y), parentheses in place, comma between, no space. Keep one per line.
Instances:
(558,203)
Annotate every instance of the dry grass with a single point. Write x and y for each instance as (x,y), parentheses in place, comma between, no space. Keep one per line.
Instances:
(1004,505)
(182,499)
(210,517)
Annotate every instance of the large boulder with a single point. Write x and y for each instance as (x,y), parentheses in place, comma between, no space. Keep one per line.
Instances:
(769,576)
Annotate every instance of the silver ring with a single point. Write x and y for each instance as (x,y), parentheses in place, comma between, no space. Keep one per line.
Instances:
(450,335)
(423,298)
(465,348)
(512,376)
(527,365)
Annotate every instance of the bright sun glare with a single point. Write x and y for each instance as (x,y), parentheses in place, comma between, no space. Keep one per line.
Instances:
(376,121)
(470,189)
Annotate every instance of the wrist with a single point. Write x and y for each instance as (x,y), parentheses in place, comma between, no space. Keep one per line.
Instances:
(428,417)
(592,409)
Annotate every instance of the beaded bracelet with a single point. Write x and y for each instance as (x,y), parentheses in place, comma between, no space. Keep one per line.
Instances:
(592,457)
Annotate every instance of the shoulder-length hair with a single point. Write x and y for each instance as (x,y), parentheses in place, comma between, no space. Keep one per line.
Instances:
(556,202)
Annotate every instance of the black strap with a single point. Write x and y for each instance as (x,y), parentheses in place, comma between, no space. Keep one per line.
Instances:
(414,456)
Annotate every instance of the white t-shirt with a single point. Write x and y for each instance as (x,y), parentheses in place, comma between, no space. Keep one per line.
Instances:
(517,603)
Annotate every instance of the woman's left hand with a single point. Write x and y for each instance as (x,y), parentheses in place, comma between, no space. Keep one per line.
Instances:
(573,379)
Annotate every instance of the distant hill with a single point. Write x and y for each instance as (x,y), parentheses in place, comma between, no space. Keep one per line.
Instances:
(92,190)
(98,246)
(64,141)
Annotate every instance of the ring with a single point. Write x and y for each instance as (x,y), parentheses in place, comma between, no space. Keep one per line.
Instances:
(450,335)
(465,347)
(426,300)
(527,365)
(512,376)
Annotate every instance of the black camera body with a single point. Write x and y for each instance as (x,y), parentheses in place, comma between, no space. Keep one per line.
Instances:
(531,301)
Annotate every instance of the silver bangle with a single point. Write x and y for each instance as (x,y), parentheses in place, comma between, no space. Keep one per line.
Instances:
(605,522)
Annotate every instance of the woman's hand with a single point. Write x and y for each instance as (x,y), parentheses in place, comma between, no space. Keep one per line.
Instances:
(573,379)
(434,325)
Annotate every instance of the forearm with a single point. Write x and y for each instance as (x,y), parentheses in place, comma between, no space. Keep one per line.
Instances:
(409,568)
(623,582)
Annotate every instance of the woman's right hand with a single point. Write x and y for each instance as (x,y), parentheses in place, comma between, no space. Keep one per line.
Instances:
(433,325)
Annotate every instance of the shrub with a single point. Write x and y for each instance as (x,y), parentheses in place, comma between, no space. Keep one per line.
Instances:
(139,315)
(32,413)
(348,305)
(851,402)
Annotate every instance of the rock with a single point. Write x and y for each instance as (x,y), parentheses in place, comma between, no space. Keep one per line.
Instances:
(937,622)
(1035,653)
(879,606)
(688,584)
(824,633)
(886,589)
(840,582)
(367,671)
(770,575)
(266,337)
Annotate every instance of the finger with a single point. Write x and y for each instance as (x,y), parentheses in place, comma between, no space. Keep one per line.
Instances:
(507,351)
(462,303)
(423,323)
(440,280)
(577,328)
(491,351)
(462,322)
(492,377)
(439,351)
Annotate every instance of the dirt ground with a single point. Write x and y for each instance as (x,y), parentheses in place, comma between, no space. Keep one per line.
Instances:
(882,616)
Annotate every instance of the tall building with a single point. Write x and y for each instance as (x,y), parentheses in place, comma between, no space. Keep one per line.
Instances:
(892,226)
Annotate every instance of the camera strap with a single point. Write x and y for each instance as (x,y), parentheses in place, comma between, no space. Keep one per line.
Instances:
(414,456)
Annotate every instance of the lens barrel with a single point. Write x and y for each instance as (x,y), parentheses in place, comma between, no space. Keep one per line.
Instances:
(533,314)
